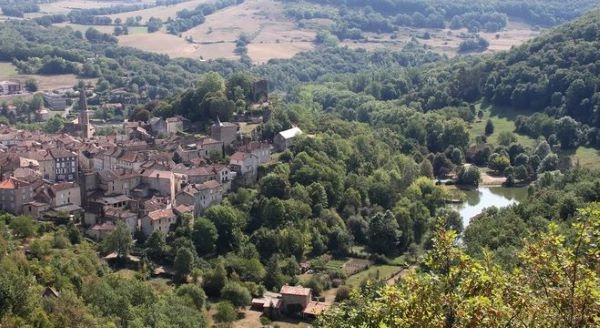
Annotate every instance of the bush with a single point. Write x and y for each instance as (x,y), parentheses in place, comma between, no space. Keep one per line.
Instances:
(225,312)
(343,293)
(194,293)
(237,294)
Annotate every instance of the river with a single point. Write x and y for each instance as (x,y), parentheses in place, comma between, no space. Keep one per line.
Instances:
(479,199)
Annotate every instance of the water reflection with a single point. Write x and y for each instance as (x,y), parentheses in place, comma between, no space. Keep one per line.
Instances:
(483,197)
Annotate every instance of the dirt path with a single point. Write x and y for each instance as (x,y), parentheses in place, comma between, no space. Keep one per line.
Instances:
(395,278)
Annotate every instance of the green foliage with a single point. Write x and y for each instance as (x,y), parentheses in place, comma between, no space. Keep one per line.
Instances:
(119,240)
(468,176)
(226,312)
(23,226)
(235,293)
(450,289)
(184,262)
(489,127)
(204,236)
(498,162)
(54,124)
(383,233)
(194,293)
(214,280)
(228,222)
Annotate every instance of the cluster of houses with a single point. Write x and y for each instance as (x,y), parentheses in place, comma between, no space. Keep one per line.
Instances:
(146,177)
(10,87)
(291,300)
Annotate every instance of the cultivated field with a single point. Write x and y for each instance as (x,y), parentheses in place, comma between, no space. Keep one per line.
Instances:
(272,35)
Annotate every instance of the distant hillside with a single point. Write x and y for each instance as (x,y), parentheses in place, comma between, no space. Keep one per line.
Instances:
(556,74)
(353,17)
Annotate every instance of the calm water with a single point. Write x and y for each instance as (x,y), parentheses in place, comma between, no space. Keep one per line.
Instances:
(483,197)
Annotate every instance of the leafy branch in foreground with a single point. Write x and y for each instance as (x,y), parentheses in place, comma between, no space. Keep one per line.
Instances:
(557,283)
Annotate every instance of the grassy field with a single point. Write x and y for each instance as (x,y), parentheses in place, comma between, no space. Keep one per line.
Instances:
(272,34)
(383,271)
(162,12)
(446,41)
(503,120)
(586,157)
(65,6)
(45,82)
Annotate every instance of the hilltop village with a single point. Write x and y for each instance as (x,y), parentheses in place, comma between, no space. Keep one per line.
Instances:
(146,176)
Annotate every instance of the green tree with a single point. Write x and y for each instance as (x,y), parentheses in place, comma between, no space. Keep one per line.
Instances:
(274,185)
(498,162)
(184,263)
(228,222)
(31,85)
(54,124)
(468,176)
(194,293)
(23,226)
(215,280)
(567,132)
(156,246)
(505,138)
(383,234)
(204,236)
(549,163)
(426,169)
(226,312)
(489,127)
(119,240)
(235,293)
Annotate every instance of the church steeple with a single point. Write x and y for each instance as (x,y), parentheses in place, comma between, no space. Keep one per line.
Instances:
(83,115)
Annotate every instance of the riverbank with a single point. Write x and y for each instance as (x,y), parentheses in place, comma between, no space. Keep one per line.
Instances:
(490,180)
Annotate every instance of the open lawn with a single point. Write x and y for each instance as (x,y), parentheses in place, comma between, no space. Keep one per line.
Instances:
(376,271)
(503,120)
(586,157)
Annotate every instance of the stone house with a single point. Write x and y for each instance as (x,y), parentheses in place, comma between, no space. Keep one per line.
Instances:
(174,124)
(129,218)
(284,139)
(246,167)
(158,220)
(14,194)
(295,298)
(45,163)
(261,150)
(65,164)
(201,196)
(224,131)
(118,182)
(58,194)
(163,182)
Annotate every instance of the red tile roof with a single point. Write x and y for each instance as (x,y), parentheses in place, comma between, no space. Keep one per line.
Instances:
(295,290)
(161,214)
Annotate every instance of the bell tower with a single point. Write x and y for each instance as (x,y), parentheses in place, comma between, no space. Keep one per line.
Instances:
(84,116)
